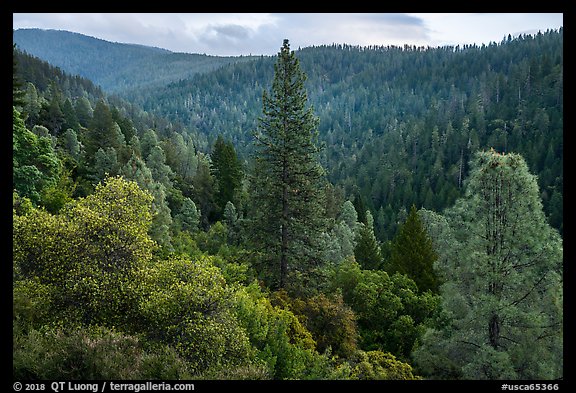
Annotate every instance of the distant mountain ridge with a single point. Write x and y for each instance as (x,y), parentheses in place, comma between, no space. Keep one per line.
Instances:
(400,124)
(116,67)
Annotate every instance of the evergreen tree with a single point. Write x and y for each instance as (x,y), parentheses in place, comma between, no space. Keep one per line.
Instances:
(231,220)
(105,164)
(360,207)
(148,141)
(189,217)
(349,216)
(135,169)
(70,143)
(32,105)
(413,254)
(69,114)
(339,244)
(156,162)
(103,131)
(502,270)
(288,207)
(203,192)
(52,116)
(17,90)
(84,111)
(367,251)
(227,172)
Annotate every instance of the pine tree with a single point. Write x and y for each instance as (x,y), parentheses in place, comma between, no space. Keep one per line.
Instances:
(84,111)
(227,172)
(156,161)
(413,254)
(189,217)
(17,85)
(367,251)
(288,207)
(203,192)
(103,131)
(502,270)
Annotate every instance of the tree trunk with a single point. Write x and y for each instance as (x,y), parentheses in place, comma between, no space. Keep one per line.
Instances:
(284,228)
(494,331)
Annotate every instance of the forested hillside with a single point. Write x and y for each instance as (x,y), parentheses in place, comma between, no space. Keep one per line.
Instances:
(116,67)
(400,124)
(328,213)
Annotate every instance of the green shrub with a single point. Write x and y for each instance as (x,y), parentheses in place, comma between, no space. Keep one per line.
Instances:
(91,354)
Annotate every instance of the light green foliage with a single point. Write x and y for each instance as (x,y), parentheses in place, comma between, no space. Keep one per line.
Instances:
(280,339)
(380,365)
(21,205)
(186,303)
(56,196)
(88,252)
(502,300)
(32,303)
(340,242)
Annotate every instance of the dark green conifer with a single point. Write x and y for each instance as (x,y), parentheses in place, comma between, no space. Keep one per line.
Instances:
(413,254)
(288,207)
(227,171)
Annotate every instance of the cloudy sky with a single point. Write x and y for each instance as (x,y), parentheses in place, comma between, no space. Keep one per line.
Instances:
(262,33)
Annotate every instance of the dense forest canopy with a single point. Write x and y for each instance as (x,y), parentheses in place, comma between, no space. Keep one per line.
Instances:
(334,212)
(409,117)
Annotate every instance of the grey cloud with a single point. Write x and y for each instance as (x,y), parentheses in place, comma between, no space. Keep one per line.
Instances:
(235,32)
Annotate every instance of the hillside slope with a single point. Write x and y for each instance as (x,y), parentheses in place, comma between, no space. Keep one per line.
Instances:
(116,67)
(400,124)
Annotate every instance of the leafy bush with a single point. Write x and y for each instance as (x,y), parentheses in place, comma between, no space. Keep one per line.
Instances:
(391,312)
(331,322)
(185,303)
(380,365)
(89,252)
(92,353)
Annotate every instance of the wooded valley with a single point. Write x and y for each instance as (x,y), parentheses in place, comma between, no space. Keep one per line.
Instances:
(332,212)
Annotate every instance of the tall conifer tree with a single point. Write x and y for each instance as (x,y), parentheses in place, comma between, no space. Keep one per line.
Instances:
(288,205)
(502,270)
